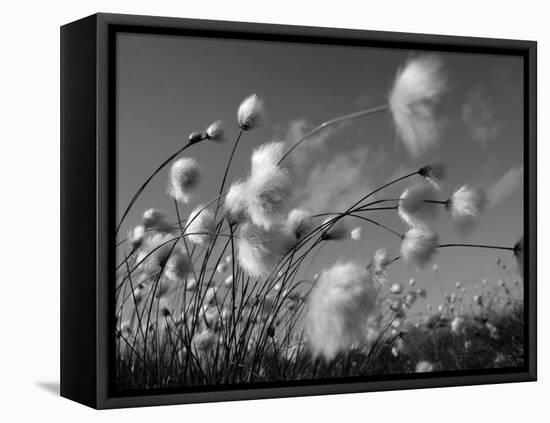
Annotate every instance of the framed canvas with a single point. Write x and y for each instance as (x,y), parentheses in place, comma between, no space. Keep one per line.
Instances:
(257,211)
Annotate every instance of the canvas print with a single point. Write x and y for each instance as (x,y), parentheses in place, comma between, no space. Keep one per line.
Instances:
(292,212)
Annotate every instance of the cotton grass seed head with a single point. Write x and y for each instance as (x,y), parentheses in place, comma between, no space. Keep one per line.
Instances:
(267,155)
(424,367)
(136,236)
(299,223)
(235,203)
(396,288)
(416,91)
(337,309)
(228,281)
(156,220)
(415,207)
(465,206)
(433,174)
(155,252)
(222,267)
(268,186)
(260,250)
(215,132)
(201,226)
(518,254)
(183,180)
(457,325)
(251,113)
(179,265)
(419,246)
(139,293)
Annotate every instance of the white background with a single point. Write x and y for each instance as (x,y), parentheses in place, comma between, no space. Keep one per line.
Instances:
(29,290)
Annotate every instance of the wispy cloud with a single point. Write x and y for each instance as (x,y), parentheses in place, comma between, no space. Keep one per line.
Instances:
(478,116)
(339,182)
(505,185)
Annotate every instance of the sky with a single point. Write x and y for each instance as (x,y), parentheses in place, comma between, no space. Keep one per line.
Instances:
(170,86)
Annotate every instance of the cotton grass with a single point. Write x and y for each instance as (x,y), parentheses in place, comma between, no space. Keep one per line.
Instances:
(416,91)
(156,220)
(465,206)
(251,113)
(416,207)
(235,202)
(299,223)
(518,254)
(215,131)
(136,236)
(184,179)
(337,309)
(419,246)
(259,250)
(201,226)
(424,367)
(268,186)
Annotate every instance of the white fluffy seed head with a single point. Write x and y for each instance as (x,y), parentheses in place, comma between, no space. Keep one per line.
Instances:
(222,267)
(337,309)
(268,187)
(139,293)
(155,252)
(184,179)
(433,174)
(414,207)
(260,250)
(156,220)
(396,288)
(416,91)
(419,246)
(267,155)
(251,113)
(190,284)
(465,206)
(136,236)
(424,367)
(228,281)
(235,203)
(299,223)
(457,325)
(201,226)
(215,132)
(179,265)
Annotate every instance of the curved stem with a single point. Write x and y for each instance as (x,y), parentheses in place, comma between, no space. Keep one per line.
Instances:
(493,247)
(334,121)
(227,167)
(230,160)
(144,185)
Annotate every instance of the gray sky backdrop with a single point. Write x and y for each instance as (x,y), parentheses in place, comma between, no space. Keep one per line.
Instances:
(169,86)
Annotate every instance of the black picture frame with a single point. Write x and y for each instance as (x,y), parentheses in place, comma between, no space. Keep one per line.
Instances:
(88,196)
